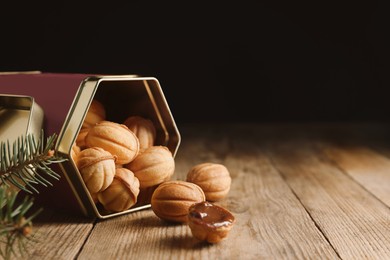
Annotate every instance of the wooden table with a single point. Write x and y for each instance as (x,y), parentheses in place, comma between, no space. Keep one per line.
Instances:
(313,191)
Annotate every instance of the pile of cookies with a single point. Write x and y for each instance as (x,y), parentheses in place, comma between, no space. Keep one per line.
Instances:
(118,159)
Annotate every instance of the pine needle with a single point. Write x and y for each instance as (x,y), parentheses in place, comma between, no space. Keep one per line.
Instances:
(28,163)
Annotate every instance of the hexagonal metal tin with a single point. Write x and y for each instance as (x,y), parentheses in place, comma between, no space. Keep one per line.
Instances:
(122,96)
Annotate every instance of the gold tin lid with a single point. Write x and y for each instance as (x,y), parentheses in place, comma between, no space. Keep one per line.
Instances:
(19,115)
(122,96)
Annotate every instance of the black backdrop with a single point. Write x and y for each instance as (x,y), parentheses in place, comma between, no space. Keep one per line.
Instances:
(238,62)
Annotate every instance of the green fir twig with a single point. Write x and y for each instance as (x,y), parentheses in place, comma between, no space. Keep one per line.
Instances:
(28,162)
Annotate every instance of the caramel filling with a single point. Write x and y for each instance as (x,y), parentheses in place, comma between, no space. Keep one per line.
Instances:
(211,215)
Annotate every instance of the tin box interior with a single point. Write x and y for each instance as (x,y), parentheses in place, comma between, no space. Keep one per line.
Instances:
(122,97)
(19,115)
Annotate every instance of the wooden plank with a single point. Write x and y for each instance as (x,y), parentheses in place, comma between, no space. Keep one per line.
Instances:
(140,235)
(367,167)
(58,235)
(271,222)
(277,220)
(355,222)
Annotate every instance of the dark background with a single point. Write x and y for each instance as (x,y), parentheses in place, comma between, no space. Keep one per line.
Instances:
(236,62)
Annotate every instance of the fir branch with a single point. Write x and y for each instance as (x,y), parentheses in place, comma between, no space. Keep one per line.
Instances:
(24,164)
(29,162)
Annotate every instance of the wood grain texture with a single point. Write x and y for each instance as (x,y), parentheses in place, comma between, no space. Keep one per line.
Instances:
(298,192)
(367,167)
(355,222)
(58,236)
(279,223)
